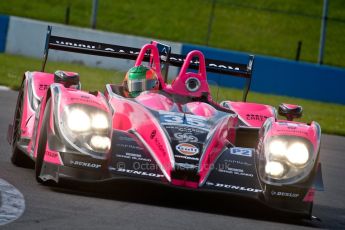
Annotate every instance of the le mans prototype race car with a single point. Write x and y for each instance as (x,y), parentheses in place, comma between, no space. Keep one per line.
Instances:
(178,136)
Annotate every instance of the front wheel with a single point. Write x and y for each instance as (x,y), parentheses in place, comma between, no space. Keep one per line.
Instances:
(18,156)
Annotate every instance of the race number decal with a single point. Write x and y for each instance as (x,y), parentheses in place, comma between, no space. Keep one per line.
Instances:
(241,151)
(185,137)
(183,119)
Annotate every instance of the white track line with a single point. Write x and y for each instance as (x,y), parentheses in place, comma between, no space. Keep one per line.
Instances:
(12,203)
(4,88)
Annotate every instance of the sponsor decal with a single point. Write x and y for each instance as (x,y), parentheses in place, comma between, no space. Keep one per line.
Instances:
(235,171)
(43,87)
(233,187)
(85,164)
(292,127)
(88,101)
(51,154)
(210,65)
(289,124)
(121,51)
(187,157)
(285,194)
(185,137)
(293,130)
(241,151)
(75,44)
(132,156)
(256,117)
(153,134)
(126,139)
(160,146)
(187,149)
(228,67)
(186,129)
(136,172)
(185,166)
(129,146)
(144,166)
(237,162)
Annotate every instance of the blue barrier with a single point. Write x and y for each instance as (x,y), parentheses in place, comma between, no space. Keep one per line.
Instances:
(4,20)
(281,76)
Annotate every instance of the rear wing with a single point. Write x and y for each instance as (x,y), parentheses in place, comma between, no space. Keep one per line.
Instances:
(131,53)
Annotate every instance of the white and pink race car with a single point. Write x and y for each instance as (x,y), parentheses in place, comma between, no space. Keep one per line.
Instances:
(177,136)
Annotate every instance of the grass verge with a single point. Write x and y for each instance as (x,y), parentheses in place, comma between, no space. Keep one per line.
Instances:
(330,116)
(270,27)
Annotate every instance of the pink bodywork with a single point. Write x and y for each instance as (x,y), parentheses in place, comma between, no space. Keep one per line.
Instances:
(251,114)
(130,115)
(215,147)
(178,86)
(296,129)
(40,83)
(70,96)
(134,116)
(201,109)
(155,101)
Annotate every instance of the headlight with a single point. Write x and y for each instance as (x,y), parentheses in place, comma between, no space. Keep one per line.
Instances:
(277,148)
(285,159)
(78,120)
(100,121)
(297,154)
(100,142)
(86,128)
(274,169)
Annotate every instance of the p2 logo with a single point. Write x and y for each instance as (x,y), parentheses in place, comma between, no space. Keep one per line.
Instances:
(241,151)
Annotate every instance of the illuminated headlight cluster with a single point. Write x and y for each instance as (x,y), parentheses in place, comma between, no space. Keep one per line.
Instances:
(286,158)
(296,152)
(79,120)
(274,169)
(87,128)
(99,142)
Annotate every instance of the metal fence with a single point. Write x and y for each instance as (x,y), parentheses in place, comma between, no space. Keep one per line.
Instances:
(288,28)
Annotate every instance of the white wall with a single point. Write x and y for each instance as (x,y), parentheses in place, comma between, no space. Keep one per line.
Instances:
(27,37)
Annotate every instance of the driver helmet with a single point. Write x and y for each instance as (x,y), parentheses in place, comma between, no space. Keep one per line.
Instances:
(139,79)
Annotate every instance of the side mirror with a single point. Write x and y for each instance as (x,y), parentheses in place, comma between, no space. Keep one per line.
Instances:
(290,111)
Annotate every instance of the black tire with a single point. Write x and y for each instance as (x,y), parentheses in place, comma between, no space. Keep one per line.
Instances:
(311,210)
(19,158)
(42,141)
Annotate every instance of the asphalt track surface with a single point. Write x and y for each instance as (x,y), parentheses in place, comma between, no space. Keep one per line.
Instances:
(129,205)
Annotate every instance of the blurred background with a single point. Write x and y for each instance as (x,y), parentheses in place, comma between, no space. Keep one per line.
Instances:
(282,28)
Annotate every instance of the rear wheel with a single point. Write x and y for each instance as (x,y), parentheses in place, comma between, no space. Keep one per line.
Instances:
(19,158)
(42,142)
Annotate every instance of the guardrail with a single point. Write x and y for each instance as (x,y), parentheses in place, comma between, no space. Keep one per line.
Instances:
(283,77)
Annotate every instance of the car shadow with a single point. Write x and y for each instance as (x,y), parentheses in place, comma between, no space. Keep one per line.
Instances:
(165,196)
